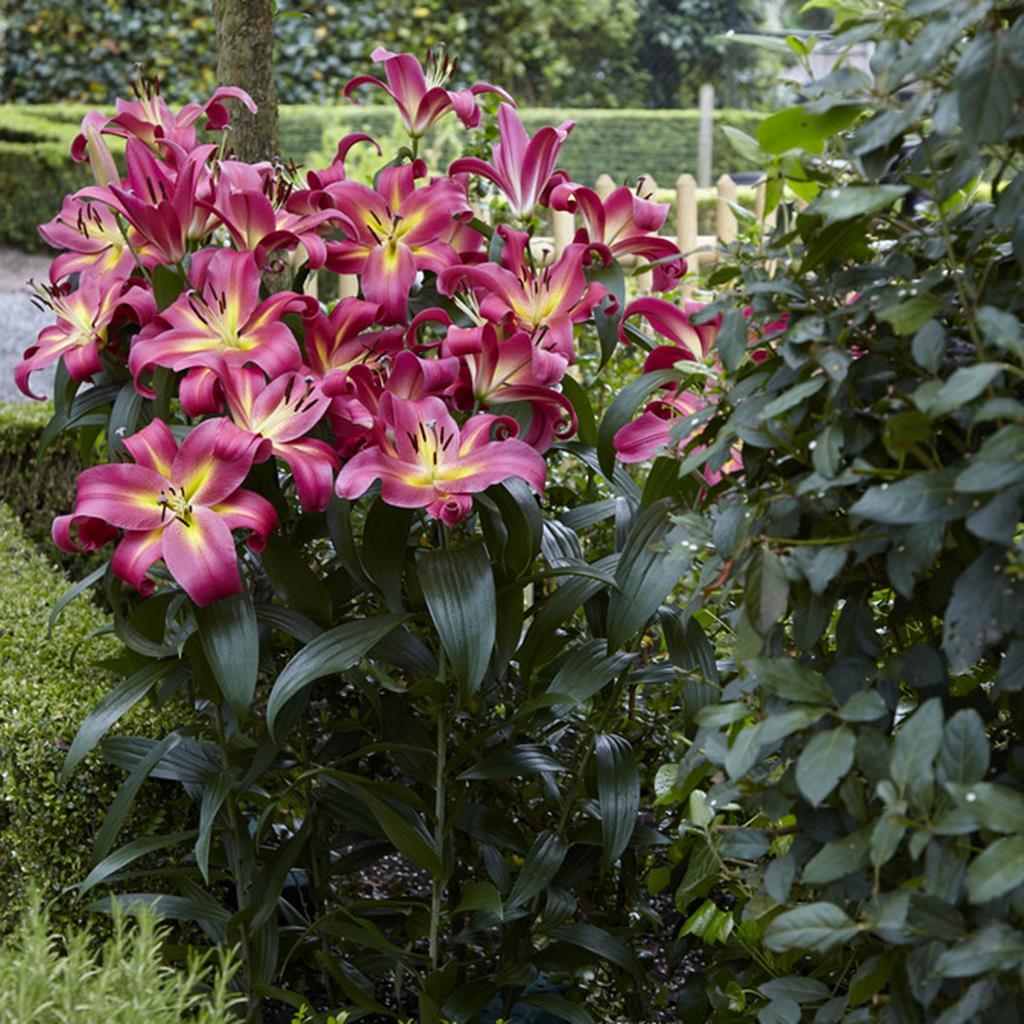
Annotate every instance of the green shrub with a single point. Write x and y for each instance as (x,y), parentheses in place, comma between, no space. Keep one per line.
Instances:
(36,489)
(65,980)
(48,684)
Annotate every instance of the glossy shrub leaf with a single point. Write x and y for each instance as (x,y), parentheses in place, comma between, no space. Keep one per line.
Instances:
(816,927)
(230,638)
(654,557)
(618,794)
(997,870)
(333,651)
(964,755)
(458,586)
(799,128)
(823,762)
(791,679)
(767,594)
(995,806)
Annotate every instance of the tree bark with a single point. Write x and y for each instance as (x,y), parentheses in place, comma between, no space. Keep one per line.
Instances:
(245,58)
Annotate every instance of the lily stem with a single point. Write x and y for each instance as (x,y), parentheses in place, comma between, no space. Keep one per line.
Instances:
(440,797)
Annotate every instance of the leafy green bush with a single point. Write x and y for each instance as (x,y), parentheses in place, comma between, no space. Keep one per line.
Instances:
(851,792)
(35,489)
(47,979)
(47,685)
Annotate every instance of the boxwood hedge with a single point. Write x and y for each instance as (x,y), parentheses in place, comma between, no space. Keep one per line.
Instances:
(48,684)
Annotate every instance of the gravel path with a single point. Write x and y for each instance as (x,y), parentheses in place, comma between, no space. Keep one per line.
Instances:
(20,321)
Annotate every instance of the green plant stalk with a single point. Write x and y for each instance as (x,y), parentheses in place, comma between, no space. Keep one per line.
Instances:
(252,1010)
(440,796)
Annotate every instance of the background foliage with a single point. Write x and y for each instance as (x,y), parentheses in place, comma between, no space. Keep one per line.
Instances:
(580,53)
(48,683)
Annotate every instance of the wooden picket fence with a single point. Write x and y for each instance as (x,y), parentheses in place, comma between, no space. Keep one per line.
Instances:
(699,249)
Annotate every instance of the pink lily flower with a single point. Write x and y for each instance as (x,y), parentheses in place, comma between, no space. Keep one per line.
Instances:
(220,324)
(343,339)
(523,168)
(497,371)
(162,202)
(545,303)
(95,244)
(178,504)
(423,459)
(84,319)
(689,340)
(150,120)
(394,232)
(282,412)
(419,93)
(623,224)
(494,370)
(249,201)
(650,434)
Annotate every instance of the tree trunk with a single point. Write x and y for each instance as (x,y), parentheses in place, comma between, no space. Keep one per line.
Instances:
(245,58)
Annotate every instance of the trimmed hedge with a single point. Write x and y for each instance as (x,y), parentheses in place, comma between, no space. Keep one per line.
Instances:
(48,684)
(36,489)
(36,171)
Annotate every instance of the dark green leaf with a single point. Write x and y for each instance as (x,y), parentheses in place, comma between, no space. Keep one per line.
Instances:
(731,342)
(997,870)
(122,698)
(458,586)
(993,948)
(618,795)
(385,536)
(333,651)
(788,678)
(838,204)
(526,759)
(542,862)
(128,853)
(294,581)
(916,746)
(964,755)
(929,346)
(654,557)
(817,927)
(168,284)
(823,762)
(923,497)
(122,803)
(997,807)
(599,942)
(985,605)
(767,591)
(231,642)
